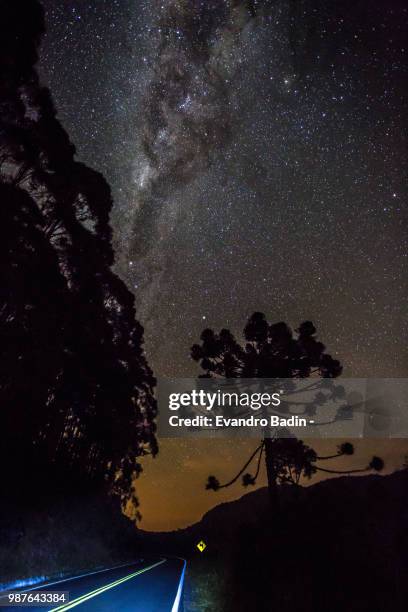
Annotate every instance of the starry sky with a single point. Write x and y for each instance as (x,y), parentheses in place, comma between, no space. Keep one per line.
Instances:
(257,156)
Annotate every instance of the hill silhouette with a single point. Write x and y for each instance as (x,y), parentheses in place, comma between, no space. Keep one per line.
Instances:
(338,544)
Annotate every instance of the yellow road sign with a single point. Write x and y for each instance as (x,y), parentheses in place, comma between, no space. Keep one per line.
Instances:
(201,546)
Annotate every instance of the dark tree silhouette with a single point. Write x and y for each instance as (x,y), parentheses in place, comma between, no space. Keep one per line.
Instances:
(76,391)
(273,351)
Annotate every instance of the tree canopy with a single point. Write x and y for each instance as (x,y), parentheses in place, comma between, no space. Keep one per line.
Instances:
(270,351)
(76,391)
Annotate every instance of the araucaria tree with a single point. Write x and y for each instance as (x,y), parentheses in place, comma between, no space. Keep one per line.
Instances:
(273,351)
(76,392)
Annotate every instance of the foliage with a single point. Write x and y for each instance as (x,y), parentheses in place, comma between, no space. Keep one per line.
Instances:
(76,391)
(274,351)
(270,351)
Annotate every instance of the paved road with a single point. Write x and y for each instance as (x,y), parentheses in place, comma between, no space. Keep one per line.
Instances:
(151,585)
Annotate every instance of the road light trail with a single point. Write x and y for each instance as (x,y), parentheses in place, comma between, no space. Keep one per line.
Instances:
(177,601)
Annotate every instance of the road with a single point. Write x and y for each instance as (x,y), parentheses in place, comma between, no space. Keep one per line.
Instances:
(151,585)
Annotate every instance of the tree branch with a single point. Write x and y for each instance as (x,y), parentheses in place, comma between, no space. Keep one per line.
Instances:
(227,484)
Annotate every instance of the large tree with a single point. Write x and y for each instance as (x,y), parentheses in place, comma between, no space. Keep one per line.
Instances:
(76,391)
(273,351)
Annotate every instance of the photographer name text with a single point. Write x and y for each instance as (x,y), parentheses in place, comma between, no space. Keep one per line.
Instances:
(251,421)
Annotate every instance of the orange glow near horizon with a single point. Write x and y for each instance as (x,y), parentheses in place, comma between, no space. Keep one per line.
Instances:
(171,489)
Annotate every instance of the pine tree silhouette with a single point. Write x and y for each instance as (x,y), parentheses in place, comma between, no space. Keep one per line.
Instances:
(273,351)
(76,391)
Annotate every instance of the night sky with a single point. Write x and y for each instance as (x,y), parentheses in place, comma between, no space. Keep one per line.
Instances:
(257,157)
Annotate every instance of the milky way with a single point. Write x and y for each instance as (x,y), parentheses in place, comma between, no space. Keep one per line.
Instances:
(187,112)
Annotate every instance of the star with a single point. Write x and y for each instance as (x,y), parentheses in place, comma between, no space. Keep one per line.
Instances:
(256,164)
